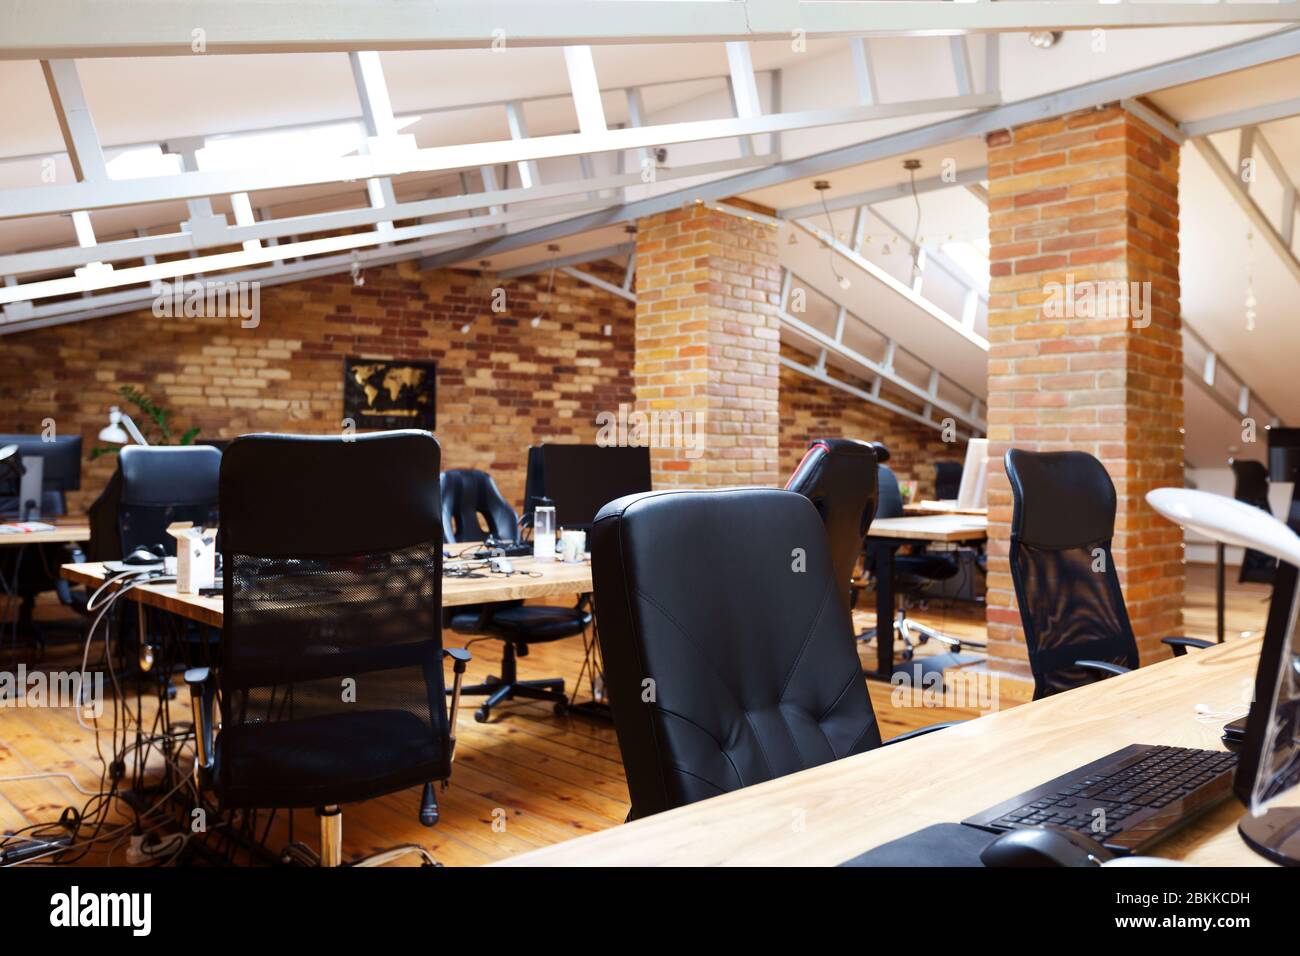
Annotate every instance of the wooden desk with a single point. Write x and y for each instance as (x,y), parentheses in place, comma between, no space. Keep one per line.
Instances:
(852,805)
(930,506)
(895,532)
(931,528)
(62,534)
(556,579)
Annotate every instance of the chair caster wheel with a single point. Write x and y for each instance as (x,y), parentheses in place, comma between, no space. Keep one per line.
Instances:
(492,679)
(561,708)
(907,654)
(481,715)
(437,866)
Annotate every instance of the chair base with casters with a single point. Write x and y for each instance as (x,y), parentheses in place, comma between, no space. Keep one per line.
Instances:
(202,703)
(518,626)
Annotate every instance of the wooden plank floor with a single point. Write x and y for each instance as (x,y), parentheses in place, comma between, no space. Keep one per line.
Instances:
(525,780)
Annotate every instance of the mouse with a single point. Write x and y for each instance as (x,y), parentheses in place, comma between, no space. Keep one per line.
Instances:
(1045,846)
(141,556)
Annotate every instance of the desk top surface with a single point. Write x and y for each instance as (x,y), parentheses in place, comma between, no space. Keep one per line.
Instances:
(539,579)
(65,531)
(930,506)
(931,528)
(851,805)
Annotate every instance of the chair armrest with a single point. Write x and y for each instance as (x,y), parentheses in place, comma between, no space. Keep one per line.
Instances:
(1181,644)
(202,693)
(922,732)
(1105,668)
(459,658)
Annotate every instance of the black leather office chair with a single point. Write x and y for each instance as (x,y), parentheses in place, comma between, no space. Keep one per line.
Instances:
(1250,480)
(331,673)
(838,475)
(467,495)
(914,573)
(947,480)
(726,666)
(163,484)
(1076,626)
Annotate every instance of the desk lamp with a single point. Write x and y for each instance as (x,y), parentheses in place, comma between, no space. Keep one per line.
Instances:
(120,429)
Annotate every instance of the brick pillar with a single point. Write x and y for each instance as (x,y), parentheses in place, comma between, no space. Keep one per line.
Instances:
(1078,205)
(707,342)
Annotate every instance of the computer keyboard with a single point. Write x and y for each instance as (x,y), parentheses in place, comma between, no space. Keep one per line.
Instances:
(1127,800)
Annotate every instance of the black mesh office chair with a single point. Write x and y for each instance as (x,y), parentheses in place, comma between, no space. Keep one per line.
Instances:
(469,495)
(1250,480)
(331,672)
(1076,626)
(947,480)
(838,475)
(914,573)
(726,665)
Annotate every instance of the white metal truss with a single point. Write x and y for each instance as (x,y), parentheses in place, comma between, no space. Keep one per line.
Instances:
(1281,240)
(879,372)
(1213,373)
(1188,69)
(86,28)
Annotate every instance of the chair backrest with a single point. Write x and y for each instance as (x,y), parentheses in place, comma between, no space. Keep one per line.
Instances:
(947,479)
(838,475)
(729,658)
(1250,484)
(1071,606)
(468,493)
(163,484)
(330,611)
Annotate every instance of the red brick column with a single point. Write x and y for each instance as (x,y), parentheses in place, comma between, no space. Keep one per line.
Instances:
(707,343)
(1080,205)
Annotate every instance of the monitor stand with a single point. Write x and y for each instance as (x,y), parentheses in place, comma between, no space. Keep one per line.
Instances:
(1274,834)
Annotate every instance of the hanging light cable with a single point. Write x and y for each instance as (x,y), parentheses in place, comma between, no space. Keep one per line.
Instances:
(821,186)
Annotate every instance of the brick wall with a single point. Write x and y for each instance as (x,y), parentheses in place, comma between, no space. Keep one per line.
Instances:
(812,409)
(501,386)
(1085,199)
(707,339)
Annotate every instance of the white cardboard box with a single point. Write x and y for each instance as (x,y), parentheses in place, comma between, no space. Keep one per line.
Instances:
(196,556)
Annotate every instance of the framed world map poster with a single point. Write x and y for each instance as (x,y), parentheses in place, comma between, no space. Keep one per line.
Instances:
(389,393)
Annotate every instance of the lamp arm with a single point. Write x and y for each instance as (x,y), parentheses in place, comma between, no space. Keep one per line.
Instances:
(132,430)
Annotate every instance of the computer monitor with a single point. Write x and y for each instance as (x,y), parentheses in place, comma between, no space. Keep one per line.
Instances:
(581,479)
(60,471)
(973,492)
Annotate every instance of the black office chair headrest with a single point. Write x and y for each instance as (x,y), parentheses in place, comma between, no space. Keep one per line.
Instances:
(838,475)
(1073,499)
(882,453)
(169,475)
(724,600)
(321,496)
(468,493)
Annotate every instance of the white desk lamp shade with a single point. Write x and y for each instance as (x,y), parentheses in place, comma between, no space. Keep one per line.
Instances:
(1227,520)
(114,432)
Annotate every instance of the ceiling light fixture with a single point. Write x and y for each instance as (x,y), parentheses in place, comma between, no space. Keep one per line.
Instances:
(821,185)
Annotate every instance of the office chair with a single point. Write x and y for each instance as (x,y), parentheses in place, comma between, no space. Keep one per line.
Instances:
(947,480)
(163,484)
(331,672)
(726,665)
(1250,484)
(914,573)
(468,495)
(1076,626)
(838,475)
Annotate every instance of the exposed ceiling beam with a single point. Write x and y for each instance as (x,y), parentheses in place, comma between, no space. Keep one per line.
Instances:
(47,200)
(1251,116)
(40,29)
(576,259)
(1258,219)
(1188,69)
(493,199)
(895,191)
